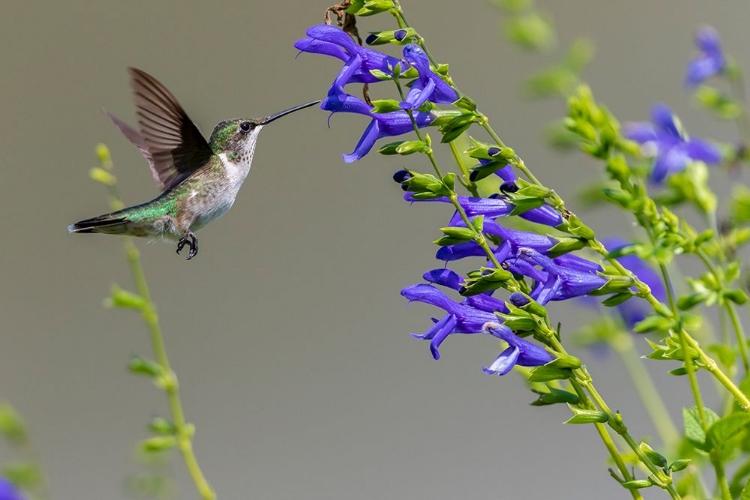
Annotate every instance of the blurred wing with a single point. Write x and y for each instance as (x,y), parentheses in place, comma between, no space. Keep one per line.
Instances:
(138,141)
(174,142)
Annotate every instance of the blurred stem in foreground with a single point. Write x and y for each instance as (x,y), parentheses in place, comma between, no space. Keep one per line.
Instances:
(177,433)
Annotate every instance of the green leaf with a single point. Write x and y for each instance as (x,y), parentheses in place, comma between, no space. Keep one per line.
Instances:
(23,474)
(745,495)
(390,148)
(126,300)
(143,366)
(12,426)
(656,458)
(726,428)
(586,416)
(158,443)
(531,31)
(548,373)
(636,484)
(458,233)
(160,425)
(693,428)
(617,299)
(102,176)
(385,106)
(679,465)
(555,396)
(411,147)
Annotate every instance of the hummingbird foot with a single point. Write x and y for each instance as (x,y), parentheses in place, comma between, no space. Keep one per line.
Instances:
(191,241)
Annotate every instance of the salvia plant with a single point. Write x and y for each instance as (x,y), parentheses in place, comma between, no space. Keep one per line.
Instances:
(525,248)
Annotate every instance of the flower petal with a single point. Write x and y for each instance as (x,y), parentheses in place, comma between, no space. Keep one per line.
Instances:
(504,362)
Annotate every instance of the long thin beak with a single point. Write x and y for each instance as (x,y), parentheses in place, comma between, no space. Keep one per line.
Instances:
(274,116)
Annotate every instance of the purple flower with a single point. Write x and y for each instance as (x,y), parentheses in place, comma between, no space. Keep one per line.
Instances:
(555,281)
(429,86)
(519,351)
(709,62)
(467,319)
(673,149)
(382,124)
(497,206)
(359,62)
(8,491)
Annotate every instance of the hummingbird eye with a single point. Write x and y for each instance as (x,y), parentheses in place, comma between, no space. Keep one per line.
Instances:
(245,127)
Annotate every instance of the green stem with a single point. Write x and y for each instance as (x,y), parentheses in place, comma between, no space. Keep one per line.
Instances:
(721,478)
(168,381)
(465,179)
(652,401)
(583,378)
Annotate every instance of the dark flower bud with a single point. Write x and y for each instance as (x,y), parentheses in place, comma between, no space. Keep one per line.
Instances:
(399,35)
(405,186)
(493,151)
(473,175)
(402,176)
(508,187)
(518,299)
(371,38)
(462,290)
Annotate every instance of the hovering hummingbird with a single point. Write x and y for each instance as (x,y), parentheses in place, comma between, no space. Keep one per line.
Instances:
(199,180)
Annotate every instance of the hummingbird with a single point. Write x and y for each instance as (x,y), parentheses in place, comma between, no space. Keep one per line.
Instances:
(198,179)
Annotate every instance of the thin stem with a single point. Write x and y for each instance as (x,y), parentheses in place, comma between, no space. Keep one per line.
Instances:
(652,401)
(168,381)
(465,179)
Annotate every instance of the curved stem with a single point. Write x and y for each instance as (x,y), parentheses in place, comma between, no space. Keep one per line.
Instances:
(168,381)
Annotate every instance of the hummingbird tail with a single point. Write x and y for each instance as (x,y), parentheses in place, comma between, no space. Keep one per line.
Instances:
(101,224)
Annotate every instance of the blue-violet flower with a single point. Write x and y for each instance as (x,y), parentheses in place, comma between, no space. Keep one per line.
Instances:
(672,148)
(709,62)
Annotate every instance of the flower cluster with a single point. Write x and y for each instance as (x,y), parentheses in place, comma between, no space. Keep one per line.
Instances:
(553,274)
(364,65)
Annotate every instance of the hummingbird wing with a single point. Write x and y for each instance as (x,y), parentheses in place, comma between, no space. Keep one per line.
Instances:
(174,142)
(138,141)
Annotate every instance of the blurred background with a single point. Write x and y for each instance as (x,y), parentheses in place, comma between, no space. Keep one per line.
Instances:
(287,332)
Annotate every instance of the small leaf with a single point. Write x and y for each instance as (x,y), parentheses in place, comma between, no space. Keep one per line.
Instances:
(555,396)
(143,366)
(126,300)
(548,373)
(12,426)
(411,147)
(586,416)
(656,458)
(385,106)
(158,443)
(679,465)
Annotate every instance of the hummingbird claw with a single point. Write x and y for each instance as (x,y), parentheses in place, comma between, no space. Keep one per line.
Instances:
(191,241)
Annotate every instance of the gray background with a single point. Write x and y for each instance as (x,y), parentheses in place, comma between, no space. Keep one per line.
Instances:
(288,332)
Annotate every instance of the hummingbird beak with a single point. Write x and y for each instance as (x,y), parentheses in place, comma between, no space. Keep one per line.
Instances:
(274,116)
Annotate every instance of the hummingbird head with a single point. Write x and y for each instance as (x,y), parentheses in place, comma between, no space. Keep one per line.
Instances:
(237,138)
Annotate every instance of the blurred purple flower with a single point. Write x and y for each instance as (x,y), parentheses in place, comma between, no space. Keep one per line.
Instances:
(673,149)
(8,491)
(636,309)
(709,62)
